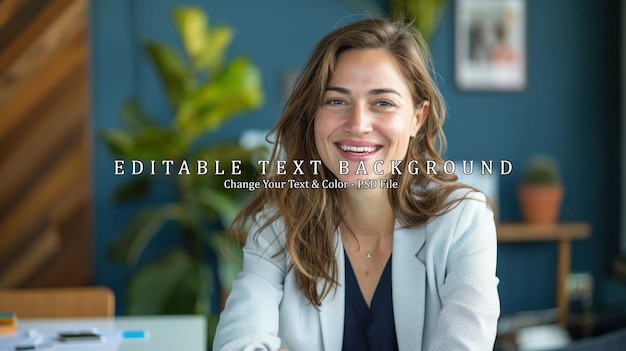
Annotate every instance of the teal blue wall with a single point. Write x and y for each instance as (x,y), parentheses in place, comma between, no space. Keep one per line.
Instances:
(570,109)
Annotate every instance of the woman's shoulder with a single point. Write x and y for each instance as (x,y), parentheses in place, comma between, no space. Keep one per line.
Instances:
(467,195)
(469,213)
(464,204)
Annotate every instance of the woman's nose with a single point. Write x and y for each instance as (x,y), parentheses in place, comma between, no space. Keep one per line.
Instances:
(359,120)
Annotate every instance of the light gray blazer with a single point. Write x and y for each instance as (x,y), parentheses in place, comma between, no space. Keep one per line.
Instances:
(444,285)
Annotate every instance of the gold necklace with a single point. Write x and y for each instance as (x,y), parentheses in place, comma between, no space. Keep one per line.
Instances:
(368,257)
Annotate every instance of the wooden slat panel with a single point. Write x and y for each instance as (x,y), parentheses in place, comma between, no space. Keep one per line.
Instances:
(21,165)
(54,272)
(71,21)
(70,221)
(45,148)
(27,236)
(61,65)
(69,218)
(72,86)
(40,198)
(8,8)
(31,32)
(29,260)
(72,201)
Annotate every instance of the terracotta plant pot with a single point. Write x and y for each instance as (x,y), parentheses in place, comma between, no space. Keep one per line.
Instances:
(540,204)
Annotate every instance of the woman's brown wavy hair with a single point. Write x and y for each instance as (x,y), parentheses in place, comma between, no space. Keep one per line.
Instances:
(312,216)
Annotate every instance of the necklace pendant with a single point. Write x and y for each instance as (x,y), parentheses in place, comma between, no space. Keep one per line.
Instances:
(367,273)
(368,255)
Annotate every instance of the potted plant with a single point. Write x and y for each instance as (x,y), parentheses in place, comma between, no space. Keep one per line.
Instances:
(203,92)
(541,192)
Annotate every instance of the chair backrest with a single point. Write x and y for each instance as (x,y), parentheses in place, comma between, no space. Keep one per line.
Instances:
(58,302)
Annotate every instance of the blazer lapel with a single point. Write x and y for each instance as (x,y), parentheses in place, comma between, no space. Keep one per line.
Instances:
(333,306)
(408,277)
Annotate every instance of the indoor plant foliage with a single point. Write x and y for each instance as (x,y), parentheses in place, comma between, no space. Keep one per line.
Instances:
(541,191)
(203,91)
(425,13)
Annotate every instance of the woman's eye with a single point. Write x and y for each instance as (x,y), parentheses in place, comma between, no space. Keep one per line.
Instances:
(334,102)
(383,104)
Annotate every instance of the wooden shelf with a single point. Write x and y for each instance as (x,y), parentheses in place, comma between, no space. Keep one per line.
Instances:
(563,234)
(520,232)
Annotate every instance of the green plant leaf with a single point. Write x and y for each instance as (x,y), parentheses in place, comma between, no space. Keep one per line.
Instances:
(170,69)
(223,151)
(187,110)
(151,143)
(205,46)
(234,90)
(191,23)
(212,55)
(118,142)
(143,130)
(174,283)
(222,202)
(426,13)
(191,294)
(135,116)
(130,244)
(143,296)
(134,189)
(240,80)
(158,144)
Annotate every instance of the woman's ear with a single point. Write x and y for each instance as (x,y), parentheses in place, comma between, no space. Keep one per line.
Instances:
(420,116)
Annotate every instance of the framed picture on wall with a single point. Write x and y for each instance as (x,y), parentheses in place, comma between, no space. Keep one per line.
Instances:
(490,45)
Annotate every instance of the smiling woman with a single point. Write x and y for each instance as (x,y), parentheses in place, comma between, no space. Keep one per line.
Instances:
(403,260)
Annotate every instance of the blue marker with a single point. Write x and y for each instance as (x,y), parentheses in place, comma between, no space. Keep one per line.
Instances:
(134,334)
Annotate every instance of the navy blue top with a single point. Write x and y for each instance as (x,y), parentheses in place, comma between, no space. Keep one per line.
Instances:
(369,328)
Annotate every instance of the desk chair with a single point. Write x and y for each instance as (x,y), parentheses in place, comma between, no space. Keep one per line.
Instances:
(58,302)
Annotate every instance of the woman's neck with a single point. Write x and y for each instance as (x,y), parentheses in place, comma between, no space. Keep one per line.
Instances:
(369,215)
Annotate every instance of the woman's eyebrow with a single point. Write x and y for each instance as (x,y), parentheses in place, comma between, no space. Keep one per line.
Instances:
(339,90)
(371,92)
(384,91)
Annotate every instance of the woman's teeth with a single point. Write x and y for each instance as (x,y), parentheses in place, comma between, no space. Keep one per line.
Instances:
(358,149)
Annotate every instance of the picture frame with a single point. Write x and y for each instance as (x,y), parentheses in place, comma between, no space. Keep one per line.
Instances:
(490,45)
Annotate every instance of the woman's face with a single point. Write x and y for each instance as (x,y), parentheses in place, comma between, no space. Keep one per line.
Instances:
(367,116)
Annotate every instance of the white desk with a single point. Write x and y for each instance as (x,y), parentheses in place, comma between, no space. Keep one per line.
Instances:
(165,333)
